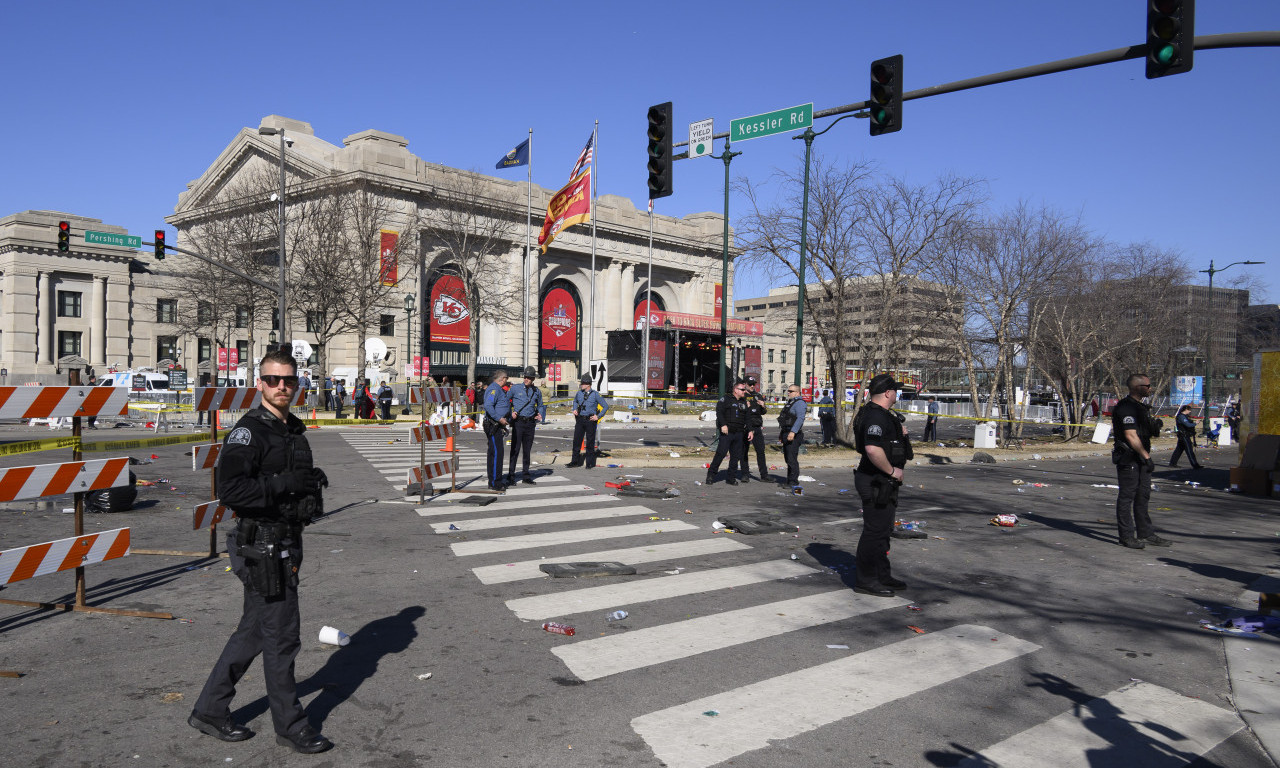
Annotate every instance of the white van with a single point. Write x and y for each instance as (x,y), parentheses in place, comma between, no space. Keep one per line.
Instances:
(137,381)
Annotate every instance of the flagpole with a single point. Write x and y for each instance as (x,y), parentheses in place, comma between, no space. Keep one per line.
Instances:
(648,317)
(595,154)
(528,248)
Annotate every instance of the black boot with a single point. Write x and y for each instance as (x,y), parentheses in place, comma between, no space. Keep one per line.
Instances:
(711,478)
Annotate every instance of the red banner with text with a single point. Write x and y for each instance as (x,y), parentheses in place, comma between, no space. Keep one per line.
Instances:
(657,378)
(450,317)
(751,364)
(387,257)
(559,321)
(719,299)
(647,312)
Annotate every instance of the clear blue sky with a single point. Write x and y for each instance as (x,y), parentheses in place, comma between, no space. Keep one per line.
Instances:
(111,108)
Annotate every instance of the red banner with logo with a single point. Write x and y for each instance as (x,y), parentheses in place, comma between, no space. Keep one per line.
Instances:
(418,368)
(450,317)
(571,205)
(752,362)
(719,299)
(228,357)
(647,311)
(387,258)
(657,378)
(706,323)
(559,321)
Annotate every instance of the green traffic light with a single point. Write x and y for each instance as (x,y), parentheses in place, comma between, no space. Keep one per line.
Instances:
(1164,54)
(878,116)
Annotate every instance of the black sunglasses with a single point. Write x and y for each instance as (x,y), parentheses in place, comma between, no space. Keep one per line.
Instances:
(271,380)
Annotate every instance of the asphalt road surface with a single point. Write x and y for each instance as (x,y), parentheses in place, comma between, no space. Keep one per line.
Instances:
(1045,644)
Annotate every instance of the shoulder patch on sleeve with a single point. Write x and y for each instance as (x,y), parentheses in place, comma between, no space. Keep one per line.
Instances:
(874,429)
(1127,420)
(239,436)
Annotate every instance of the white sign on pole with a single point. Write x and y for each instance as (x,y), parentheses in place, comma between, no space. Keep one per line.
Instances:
(599,376)
(700,134)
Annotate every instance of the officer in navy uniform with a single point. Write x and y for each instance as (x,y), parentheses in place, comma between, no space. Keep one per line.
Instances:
(756,409)
(497,415)
(881,437)
(385,395)
(732,417)
(266,476)
(526,409)
(791,434)
(588,407)
(827,417)
(1133,426)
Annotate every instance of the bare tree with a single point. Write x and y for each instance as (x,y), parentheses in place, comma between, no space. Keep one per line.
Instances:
(469,233)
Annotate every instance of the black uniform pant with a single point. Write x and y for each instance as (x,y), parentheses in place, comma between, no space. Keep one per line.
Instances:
(828,424)
(521,444)
(269,627)
(337,407)
(791,453)
(1187,445)
(930,429)
(734,446)
(757,440)
(386,409)
(877,527)
(1132,517)
(495,438)
(584,429)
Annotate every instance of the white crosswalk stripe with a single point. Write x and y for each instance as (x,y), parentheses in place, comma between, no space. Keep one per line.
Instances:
(600,657)
(523,490)
(528,569)
(541,518)
(753,716)
(1139,725)
(659,588)
(555,538)
(442,508)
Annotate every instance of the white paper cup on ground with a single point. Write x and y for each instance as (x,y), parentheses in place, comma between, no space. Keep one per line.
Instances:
(334,636)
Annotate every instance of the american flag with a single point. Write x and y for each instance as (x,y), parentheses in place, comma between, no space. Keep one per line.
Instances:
(584,158)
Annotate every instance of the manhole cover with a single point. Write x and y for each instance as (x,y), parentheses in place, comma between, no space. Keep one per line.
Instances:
(749,526)
(572,570)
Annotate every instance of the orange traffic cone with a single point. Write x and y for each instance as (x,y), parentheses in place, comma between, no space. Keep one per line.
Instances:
(448,445)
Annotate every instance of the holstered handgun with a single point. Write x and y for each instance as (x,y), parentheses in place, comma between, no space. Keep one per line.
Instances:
(885,491)
(263,566)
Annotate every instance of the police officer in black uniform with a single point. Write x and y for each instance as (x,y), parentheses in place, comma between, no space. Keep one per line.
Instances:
(526,410)
(266,476)
(756,409)
(881,437)
(732,414)
(1133,426)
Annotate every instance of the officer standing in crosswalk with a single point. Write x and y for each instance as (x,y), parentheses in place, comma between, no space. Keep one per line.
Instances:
(756,409)
(732,413)
(791,432)
(881,438)
(497,415)
(588,407)
(526,409)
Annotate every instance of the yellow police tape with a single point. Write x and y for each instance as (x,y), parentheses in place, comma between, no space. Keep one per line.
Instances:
(149,442)
(32,446)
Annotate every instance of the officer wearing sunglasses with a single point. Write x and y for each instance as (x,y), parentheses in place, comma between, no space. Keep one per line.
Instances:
(266,476)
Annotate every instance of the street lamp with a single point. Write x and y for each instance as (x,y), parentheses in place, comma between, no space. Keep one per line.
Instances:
(265,131)
(1208,348)
(408,348)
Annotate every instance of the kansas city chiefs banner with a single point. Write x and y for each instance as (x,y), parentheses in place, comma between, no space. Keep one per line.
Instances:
(647,312)
(387,257)
(559,321)
(450,317)
(571,205)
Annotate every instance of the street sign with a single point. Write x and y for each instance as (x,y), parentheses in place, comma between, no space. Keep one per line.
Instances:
(107,238)
(700,138)
(600,375)
(779,121)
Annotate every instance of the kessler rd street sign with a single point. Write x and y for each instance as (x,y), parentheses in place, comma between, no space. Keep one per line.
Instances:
(779,121)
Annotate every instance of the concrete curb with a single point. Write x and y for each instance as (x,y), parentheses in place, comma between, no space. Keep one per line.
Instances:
(1251,669)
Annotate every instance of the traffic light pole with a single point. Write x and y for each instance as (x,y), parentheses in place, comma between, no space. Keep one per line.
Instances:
(1264,39)
(727,156)
(219,265)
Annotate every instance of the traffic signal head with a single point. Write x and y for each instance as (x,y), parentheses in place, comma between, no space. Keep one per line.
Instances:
(1170,36)
(886,95)
(159,245)
(659,150)
(64,236)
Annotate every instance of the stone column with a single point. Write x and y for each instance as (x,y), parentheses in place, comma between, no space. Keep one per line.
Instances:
(612,284)
(44,320)
(98,328)
(627,296)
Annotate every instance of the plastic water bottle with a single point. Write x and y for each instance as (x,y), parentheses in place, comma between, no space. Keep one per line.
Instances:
(557,628)
(617,616)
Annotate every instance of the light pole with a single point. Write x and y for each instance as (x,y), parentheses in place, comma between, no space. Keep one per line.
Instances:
(280,308)
(408,348)
(727,156)
(813,369)
(1208,348)
(667,325)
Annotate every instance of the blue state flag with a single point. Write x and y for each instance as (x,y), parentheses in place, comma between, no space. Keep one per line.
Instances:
(517,156)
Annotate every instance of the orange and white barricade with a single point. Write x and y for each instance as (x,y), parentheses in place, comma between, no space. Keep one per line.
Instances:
(205,456)
(233,398)
(420,395)
(425,433)
(57,479)
(429,471)
(207,514)
(62,555)
(59,402)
